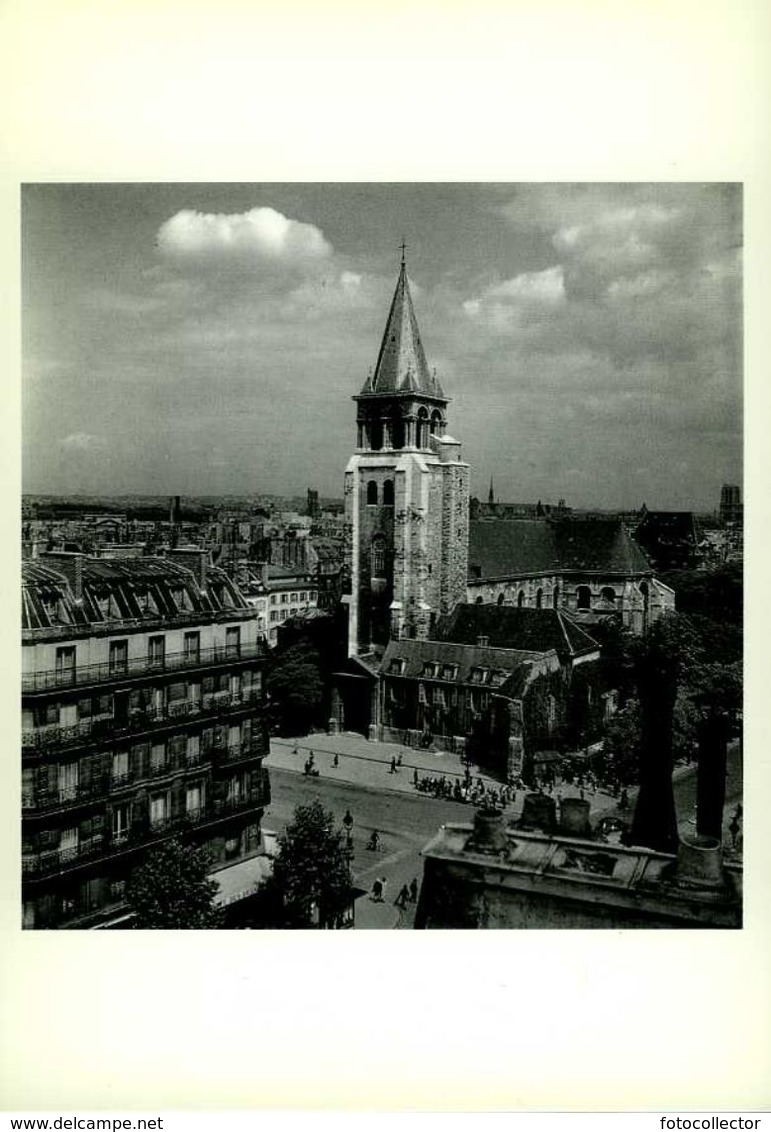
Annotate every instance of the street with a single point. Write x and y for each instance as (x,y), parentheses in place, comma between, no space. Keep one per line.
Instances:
(407,820)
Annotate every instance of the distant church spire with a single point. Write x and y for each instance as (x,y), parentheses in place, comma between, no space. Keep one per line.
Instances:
(491,495)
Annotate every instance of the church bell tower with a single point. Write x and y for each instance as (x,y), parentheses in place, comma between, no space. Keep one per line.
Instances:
(406,494)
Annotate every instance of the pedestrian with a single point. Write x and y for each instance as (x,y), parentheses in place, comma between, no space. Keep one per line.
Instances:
(403,897)
(399,761)
(336,760)
(294,749)
(393,765)
(415,777)
(413,890)
(348,821)
(383,886)
(377,891)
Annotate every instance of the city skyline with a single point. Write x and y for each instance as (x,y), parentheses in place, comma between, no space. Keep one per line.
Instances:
(207,339)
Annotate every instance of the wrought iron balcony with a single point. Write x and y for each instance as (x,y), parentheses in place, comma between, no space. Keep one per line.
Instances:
(89,731)
(52,861)
(220,751)
(84,675)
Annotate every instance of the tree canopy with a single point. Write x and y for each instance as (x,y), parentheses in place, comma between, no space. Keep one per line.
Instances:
(171,889)
(311,873)
(296,688)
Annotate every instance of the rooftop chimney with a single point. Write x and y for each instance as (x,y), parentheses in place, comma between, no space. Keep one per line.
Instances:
(700,863)
(574,817)
(539,812)
(489,834)
(70,564)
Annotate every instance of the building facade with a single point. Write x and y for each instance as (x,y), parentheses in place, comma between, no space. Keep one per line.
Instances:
(142,719)
(406,495)
(491,876)
(277,594)
(590,568)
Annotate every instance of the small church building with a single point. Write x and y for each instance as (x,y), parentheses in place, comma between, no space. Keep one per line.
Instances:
(422,666)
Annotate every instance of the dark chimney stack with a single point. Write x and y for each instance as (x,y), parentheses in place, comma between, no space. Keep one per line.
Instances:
(539,812)
(711,775)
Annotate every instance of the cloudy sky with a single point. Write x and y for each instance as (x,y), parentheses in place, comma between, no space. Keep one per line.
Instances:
(207,339)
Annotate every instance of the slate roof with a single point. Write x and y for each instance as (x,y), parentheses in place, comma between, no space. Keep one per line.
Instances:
(118,590)
(401,364)
(416,654)
(520,547)
(533,630)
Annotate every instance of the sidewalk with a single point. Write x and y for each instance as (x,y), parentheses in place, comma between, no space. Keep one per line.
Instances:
(365,762)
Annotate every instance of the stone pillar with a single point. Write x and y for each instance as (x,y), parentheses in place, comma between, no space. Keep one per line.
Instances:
(409,432)
(388,441)
(336,720)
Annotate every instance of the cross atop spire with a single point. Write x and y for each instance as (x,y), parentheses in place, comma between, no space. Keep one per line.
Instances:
(403,248)
(401,364)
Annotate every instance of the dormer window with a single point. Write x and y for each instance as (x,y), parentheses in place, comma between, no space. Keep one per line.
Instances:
(449,671)
(181,599)
(479,675)
(396,667)
(431,669)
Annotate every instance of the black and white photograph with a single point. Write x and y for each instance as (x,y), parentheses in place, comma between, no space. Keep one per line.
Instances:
(382,555)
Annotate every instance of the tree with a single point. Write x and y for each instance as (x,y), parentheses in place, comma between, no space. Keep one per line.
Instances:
(622,744)
(171,889)
(296,689)
(311,880)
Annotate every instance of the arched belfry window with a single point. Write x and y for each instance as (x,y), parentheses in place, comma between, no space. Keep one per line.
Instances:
(397,432)
(371,493)
(583,598)
(539,598)
(388,493)
(378,557)
(437,424)
(520,599)
(608,595)
(422,428)
(376,435)
(500,599)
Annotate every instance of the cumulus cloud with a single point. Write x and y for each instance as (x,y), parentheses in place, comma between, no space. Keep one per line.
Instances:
(82,442)
(524,298)
(259,236)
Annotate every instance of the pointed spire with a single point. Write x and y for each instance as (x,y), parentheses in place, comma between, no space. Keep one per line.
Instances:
(401,364)
(491,496)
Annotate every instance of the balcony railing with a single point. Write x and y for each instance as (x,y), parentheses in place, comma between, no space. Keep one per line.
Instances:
(224,753)
(53,861)
(146,719)
(86,674)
